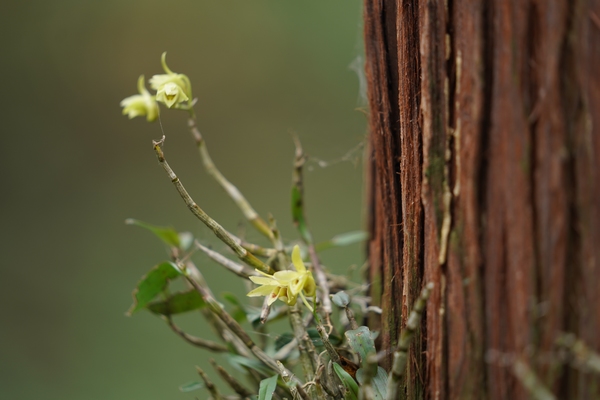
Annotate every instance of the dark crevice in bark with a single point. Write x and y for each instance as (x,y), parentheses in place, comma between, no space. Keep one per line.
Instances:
(482,172)
(571,108)
(450,70)
(385,253)
(451,65)
(532,102)
(393,148)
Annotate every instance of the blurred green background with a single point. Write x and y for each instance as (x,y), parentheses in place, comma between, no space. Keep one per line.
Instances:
(74,169)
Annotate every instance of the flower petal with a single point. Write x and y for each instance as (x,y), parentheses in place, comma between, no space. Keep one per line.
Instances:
(285,277)
(310,287)
(262,280)
(287,297)
(274,295)
(297,284)
(297,259)
(262,273)
(261,291)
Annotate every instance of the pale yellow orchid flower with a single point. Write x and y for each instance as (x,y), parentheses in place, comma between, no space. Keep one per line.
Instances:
(171,94)
(286,285)
(275,286)
(141,104)
(171,88)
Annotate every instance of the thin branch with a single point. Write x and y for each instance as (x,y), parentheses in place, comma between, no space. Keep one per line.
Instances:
(584,356)
(531,381)
(305,345)
(214,392)
(231,381)
(231,323)
(351,318)
(330,391)
(333,354)
(218,326)
(213,225)
(295,389)
(238,269)
(299,218)
(233,192)
(257,250)
(406,337)
(196,341)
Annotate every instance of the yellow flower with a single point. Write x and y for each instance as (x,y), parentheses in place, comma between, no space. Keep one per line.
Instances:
(303,281)
(286,285)
(171,94)
(275,286)
(171,88)
(141,104)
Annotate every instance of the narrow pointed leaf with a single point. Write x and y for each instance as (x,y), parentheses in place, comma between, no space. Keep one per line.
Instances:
(283,339)
(191,386)
(168,235)
(241,312)
(343,239)
(267,387)
(152,284)
(348,381)
(178,303)
(240,363)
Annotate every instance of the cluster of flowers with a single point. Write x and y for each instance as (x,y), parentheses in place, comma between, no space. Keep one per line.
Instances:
(171,89)
(175,91)
(286,285)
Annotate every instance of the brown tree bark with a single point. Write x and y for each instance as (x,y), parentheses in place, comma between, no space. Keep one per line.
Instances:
(484,178)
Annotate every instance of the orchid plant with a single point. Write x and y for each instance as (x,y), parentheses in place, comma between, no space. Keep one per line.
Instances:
(314,361)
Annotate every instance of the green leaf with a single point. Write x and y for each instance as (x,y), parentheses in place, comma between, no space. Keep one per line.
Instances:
(343,239)
(242,312)
(267,387)
(341,299)
(348,381)
(191,386)
(361,341)
(241,363)
(238,313)
(379,382)
(166,234)
(178,303)
(283,339)
(152,284)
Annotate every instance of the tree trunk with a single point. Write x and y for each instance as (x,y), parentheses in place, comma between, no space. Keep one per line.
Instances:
(484,178)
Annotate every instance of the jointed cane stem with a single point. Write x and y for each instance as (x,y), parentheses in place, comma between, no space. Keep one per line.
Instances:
(299,218)
(406,337)
(218,230)
(214,306)
(233,192)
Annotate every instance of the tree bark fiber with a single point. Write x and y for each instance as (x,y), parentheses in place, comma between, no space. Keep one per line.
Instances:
(484,178)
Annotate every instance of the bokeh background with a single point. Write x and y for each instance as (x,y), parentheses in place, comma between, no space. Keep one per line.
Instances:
(74,168)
